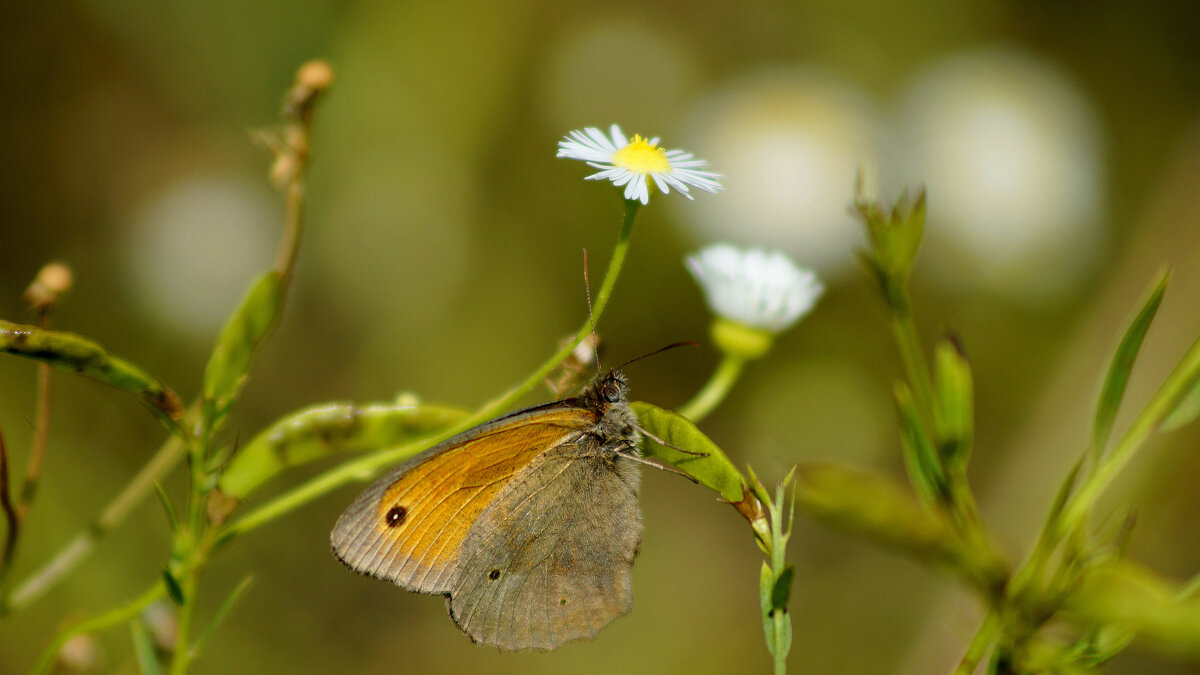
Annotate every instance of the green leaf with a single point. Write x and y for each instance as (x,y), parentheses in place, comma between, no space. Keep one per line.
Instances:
(783,638)
(765,585)
(319,430)
(230,360)
(166,504)
(885,512)
(1122,364)
(1185,411)
(73,352)
(924,469)
(711,468)
(954,409)
(1120,593)
(781,593)
(174,590)
(143,648)
(230,600)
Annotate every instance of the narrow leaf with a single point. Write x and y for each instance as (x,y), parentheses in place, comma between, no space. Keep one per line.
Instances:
(765,586)
(783,638)
(1185,411)
(782,591)
(73,352)
(231,356)
(319,430)
(710,466)
(924,470)
(230,600)
(1122,364)
(143,648)
(166,504)
(954,409)
(174,590)
(1123,594)
(887,513)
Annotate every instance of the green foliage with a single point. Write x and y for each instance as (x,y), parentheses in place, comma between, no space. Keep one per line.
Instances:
(954,409)
(895,237)
(920,458)
(1073,573)
(1122,365)
(700,458)
(236,594)
(78,354)
(326,428)
(231,357)
(1185,412)
(143,648)
(1072,605)
(173,587)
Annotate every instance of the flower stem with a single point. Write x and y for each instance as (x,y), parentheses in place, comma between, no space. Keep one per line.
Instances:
(114,616)
(715,390)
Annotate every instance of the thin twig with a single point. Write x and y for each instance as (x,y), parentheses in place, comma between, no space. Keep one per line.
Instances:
(41,434)
(83,543)
(10,513)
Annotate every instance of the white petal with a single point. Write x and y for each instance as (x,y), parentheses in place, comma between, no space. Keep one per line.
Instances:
(756,288)
(618,139)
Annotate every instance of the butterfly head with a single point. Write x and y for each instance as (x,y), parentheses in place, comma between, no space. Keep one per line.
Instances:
(606,397)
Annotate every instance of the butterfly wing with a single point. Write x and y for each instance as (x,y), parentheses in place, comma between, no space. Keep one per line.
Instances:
(409,526)
(549,559)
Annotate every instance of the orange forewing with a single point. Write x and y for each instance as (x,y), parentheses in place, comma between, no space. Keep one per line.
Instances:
(444,494)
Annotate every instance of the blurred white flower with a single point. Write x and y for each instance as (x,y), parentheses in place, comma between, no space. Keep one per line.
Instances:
(1010,149)
(790,140)
(753,287)
(630,163)
(194,245)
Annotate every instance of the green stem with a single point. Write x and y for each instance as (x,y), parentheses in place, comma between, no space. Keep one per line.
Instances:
(114,514)
(1164,401)
(715,390)
(187,614)
(1189,589)
(904,330)
(979,645)
(781,620)
(366,466)
(114,616)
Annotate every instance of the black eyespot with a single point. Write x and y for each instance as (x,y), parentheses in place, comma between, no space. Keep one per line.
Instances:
(494,574)
(395,516)
(562,601)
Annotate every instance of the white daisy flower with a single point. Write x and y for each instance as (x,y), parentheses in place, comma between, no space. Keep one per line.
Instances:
(630,163)
(753,287)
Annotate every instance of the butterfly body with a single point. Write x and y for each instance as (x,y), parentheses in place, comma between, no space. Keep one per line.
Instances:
(528,524)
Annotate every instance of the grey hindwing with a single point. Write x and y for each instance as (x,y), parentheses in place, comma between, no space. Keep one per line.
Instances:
(549,560)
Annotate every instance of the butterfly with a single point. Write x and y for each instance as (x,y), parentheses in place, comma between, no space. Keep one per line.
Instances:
(528,524)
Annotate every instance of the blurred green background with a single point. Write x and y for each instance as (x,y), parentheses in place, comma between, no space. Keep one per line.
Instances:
(1059,141)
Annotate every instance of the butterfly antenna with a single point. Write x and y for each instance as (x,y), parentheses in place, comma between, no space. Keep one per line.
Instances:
(587,289)
(685,343)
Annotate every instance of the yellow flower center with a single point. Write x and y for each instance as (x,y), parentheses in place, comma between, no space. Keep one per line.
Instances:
(642,157)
